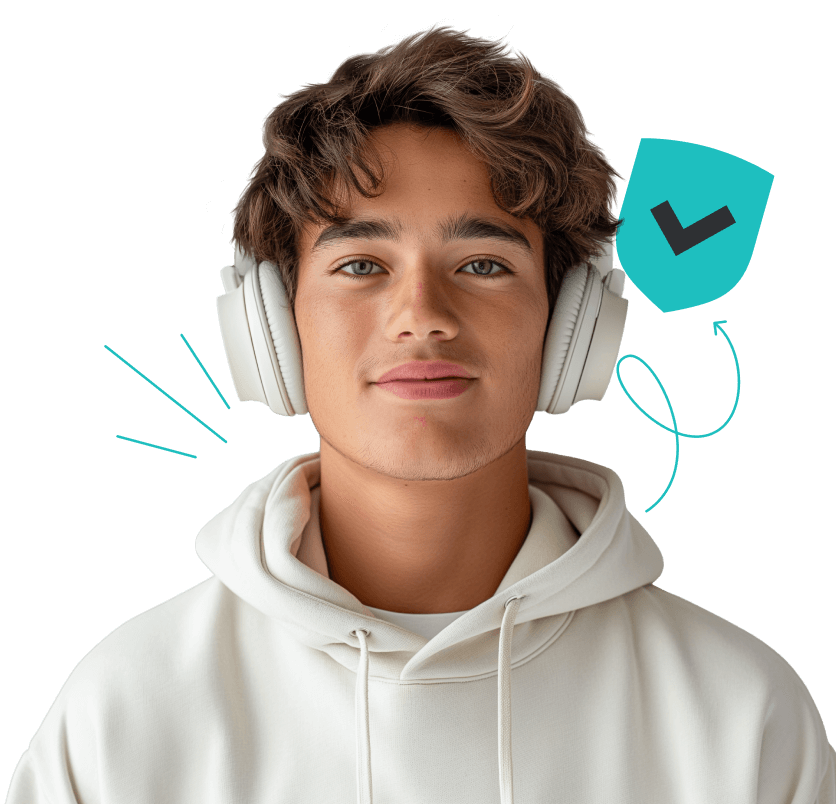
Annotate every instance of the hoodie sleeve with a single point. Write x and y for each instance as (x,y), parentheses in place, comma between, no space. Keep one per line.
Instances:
(797,764)
(827,791)
(27,786)
(61,764)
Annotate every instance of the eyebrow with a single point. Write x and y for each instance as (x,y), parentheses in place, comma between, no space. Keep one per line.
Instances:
(461,227)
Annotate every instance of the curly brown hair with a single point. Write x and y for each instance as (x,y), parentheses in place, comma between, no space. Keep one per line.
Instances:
(527,131)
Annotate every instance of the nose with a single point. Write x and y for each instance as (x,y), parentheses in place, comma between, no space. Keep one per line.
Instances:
(421,309)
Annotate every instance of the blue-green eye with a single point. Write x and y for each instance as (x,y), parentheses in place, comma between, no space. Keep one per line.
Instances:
(365,268)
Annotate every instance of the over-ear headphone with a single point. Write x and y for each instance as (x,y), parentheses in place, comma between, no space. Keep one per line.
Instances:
(262,342)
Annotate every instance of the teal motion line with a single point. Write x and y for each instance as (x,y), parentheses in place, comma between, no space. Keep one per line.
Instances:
(156,446)
(676,431)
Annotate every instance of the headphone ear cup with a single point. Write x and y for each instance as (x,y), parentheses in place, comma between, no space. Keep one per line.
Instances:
(583,340)
(260,339)
(555,396)
(284,366)
(238,341)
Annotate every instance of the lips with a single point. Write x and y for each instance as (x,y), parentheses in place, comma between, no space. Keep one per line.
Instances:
(438,379)
(427,389)
(421,370)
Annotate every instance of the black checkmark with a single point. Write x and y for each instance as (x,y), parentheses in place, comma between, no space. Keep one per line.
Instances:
(680,239)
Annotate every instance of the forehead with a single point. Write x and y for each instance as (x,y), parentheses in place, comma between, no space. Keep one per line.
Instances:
(431,180)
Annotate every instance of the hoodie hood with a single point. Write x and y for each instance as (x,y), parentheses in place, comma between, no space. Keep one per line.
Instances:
(266,548)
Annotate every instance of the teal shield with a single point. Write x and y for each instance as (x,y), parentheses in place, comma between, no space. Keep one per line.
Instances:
(691,218)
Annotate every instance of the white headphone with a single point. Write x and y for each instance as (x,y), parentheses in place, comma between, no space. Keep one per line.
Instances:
(265,359)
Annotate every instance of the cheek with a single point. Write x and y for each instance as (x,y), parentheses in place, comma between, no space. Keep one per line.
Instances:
(328,338)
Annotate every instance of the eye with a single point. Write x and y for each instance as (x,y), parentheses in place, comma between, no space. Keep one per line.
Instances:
(481,268)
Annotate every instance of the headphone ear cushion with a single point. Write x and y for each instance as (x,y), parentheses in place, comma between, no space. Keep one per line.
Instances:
(282,336)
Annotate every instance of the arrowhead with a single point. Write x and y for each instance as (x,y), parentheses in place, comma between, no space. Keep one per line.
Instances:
(717,323)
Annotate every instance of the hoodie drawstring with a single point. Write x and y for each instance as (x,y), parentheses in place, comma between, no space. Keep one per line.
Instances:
(503,683)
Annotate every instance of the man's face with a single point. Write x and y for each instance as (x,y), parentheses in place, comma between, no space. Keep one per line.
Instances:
(421,297)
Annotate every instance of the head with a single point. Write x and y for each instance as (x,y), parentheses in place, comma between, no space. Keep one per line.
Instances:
(422,138)
(430,269)
(527,132)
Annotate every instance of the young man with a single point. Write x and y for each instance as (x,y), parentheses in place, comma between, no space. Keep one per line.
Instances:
(423,502)
(375,604)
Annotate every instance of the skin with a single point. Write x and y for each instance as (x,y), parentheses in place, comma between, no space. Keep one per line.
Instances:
(424,503)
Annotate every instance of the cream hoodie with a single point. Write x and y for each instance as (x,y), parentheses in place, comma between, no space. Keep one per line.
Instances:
(579,681)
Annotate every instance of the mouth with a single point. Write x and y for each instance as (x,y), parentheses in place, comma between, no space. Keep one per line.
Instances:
(437,379)
(442,388)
